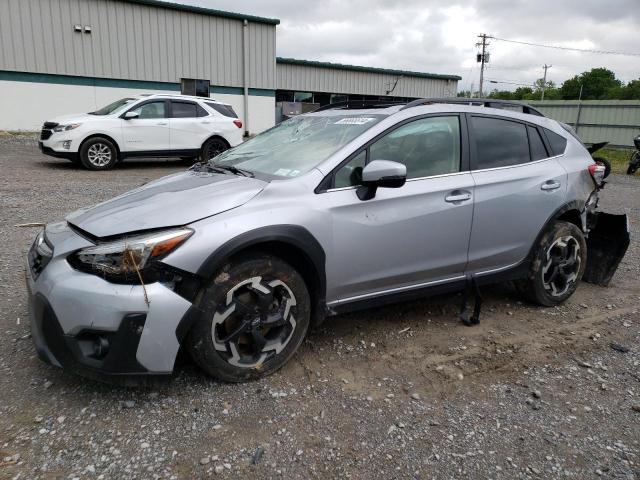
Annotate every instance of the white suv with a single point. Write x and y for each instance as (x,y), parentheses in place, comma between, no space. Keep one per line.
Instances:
(157,125)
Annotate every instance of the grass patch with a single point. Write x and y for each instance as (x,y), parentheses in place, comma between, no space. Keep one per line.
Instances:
(619,158)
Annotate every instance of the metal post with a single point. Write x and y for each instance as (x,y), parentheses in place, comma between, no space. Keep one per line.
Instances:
(245,74)
(579,108)
(544,79)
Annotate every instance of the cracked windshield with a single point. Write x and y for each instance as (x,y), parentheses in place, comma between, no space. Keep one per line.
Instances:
(296,146)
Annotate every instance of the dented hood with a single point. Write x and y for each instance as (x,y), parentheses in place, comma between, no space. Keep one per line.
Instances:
(168,202)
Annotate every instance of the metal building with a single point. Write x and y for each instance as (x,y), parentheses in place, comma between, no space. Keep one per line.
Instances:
(323,82)
(69,56)
(63,56)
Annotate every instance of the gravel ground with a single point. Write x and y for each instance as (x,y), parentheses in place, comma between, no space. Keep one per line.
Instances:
(399,392)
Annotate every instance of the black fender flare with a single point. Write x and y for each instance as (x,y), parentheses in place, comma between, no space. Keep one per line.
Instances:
(293,235)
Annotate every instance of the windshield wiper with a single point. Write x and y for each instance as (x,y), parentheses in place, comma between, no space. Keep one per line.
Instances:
(221,169)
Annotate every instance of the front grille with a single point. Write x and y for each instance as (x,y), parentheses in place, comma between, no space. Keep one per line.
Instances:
(39,255)
(47,130)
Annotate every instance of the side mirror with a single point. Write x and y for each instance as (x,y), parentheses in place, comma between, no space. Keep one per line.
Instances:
(381,173)
(130,115)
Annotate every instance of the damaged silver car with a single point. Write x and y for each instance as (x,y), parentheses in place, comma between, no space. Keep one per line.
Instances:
(349,207)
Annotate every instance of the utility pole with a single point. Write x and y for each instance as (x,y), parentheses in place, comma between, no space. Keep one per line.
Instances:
(544,78)
(482,58)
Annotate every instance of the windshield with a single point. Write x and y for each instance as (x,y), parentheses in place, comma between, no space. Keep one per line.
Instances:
(112,107)
(297,145)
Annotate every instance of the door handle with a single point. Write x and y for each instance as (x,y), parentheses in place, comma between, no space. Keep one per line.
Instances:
(457,196)
(550,185)
(162,123)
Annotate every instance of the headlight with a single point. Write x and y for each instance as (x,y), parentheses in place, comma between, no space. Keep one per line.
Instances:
(123,259)
(64,128)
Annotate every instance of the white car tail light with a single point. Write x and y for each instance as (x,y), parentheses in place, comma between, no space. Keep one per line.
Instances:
(597,173)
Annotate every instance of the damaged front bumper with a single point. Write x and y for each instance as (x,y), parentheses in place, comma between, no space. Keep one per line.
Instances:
(96,328)
(607,244)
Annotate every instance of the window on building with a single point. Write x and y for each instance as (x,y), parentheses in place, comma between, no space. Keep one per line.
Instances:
(427,147)
(499,143)
(152,110)
(226,110)
(306,97)
(338,97)
(196,87)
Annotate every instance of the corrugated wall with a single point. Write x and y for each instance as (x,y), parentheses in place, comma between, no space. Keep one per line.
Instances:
(332,80)
(613,121)
(131,41)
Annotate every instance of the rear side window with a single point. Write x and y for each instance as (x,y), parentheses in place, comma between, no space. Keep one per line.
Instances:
(226,110)
(557,142)
(187,110)
(499,143)
(538,150)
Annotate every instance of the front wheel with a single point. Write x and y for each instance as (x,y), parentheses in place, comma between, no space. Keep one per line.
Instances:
(98,154)
(256,313)
(559,261)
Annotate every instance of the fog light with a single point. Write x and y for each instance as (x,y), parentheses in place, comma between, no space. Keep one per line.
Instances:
(100,347)
(66,144)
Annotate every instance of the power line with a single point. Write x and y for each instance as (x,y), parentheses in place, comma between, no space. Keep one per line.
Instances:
(558,47)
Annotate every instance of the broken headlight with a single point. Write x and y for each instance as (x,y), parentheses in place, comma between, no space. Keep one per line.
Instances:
(129,258)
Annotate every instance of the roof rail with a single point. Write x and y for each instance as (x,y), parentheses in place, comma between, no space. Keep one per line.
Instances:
(358,104)
(484,102)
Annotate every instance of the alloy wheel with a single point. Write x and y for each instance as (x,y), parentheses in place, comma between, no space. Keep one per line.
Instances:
(99,155)
(256,323)
(562,265)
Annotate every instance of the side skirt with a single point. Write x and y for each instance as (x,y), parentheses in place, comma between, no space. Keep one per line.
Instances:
(161,153)
(517,272)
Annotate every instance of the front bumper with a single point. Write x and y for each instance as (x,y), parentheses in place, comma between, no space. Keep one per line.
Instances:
(96,328)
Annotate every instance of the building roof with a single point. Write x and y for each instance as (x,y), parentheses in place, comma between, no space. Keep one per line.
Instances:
(357,68)
(204,11)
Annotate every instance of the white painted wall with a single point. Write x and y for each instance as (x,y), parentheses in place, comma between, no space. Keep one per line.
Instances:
(27,105)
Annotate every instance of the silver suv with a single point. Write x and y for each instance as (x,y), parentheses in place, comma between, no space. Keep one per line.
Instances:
(332,211)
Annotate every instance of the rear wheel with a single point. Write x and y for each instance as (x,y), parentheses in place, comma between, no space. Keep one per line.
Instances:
(558,264)
(634,163)
(212,148)
(98,154)
(255,315)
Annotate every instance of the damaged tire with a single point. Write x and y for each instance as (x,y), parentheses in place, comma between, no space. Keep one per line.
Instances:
(256,313)
(559,260)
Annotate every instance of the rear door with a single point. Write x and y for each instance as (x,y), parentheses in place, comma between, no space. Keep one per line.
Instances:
(405,237)
(148,132)
(190,125)
(518,186)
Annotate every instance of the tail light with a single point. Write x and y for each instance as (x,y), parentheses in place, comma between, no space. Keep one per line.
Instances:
(597,173)
(238,123)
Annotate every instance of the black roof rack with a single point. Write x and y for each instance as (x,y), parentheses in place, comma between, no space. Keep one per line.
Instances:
(483,102)
(358,104)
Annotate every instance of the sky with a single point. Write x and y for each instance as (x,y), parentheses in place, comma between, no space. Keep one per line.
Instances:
(440,36)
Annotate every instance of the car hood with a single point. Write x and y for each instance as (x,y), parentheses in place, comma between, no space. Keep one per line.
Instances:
(171,201)
(73,118)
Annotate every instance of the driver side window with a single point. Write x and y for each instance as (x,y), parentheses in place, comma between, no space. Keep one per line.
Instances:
(151,110)
(427,147)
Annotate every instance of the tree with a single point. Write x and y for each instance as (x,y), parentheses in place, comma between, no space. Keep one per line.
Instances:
(596,84)
(501,94)
(631,91)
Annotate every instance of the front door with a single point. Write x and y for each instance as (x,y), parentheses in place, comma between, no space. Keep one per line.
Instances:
(406,237)
(148,132)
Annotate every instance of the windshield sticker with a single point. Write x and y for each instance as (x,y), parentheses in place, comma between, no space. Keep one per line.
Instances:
(294,173)
(282,172)
(354,121)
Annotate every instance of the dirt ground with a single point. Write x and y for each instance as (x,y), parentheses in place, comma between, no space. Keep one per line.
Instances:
(404,391)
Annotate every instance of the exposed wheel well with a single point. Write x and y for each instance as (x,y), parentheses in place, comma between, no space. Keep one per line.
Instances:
(572,216)
(298,259)
(100,135)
